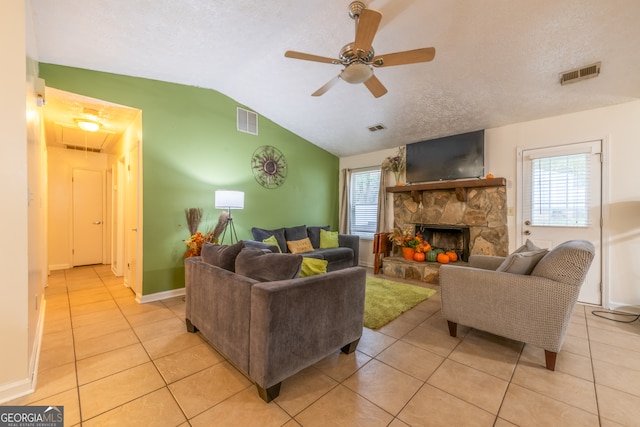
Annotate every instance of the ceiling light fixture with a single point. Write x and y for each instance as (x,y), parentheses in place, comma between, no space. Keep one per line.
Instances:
(357,73)
(88,125)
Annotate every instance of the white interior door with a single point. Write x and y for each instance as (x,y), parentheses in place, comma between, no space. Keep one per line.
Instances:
(88,217)
(562,200)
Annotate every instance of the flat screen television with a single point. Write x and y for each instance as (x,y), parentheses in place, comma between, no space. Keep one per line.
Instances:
(452,157)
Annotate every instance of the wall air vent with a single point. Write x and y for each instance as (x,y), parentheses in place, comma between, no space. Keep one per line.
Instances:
(578,74)
(377,127)
(83,148)
(247,121)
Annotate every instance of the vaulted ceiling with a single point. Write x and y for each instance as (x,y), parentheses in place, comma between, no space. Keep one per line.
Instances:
(497,62)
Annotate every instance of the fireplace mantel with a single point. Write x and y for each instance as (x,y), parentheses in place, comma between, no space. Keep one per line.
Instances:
(459,186)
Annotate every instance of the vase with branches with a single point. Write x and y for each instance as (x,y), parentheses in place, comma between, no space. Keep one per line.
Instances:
(395,164)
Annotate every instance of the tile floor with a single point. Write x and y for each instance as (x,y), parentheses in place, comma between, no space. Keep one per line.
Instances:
(112,361)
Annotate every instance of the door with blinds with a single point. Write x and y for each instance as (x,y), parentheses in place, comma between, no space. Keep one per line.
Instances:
(561,200)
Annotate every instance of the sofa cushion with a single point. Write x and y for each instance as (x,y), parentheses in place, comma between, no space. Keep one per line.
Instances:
(522,262)
(313,266)
(299,246)
(267,267)
(335,254)
(295,233)
(260,234)
(328,239)
(223,256)
(560,264)
(313,232)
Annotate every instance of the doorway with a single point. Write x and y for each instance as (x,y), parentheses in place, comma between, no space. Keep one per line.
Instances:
(561,199)
(88,217)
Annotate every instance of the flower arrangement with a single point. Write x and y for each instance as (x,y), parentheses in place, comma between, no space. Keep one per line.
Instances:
(194,244)
(198,239)
(395,164)
(406,239)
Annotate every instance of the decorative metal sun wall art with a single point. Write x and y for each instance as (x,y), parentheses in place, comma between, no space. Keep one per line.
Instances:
(269,166)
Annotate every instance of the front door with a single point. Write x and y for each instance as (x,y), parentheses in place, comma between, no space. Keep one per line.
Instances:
(88,222)
(562,200)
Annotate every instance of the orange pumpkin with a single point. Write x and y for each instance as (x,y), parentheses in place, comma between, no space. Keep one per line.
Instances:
(453,257)
(490,175)
(443,258)
(426,247)
(419,256)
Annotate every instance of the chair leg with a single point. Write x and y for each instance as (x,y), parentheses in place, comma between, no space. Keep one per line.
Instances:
(453,328)
(351,347)
(550,359)
(268,394)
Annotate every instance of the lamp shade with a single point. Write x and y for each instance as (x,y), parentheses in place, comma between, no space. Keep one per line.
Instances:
(225,199)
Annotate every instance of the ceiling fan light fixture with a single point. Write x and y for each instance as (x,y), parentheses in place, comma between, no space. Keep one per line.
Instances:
(88,125)
(356,73)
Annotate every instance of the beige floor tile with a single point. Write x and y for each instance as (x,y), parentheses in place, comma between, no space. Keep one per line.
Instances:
(616,355)
(577,327)
(489,353)
(154,409)
(79,310)
(56,357)
(109,363)
(411,360)
(302,389)
(372,342)
(503,423)
(169,326)
(58,324)
(343,407)
(131,307)
(101,317)
(340,366)
(169,302)
(50,382)
(69,400)
(527,408)
(576,345)
(471,385)
(202,390)
(168,344)
(611,325)
(93,346)
(154,316)
(617,377)
(243,409)
(383,385)
(108,393)
(557,385)
(435,408)
(432,338)
(569,363)
(397,328)
(181,364)
(57,339)
(397,423)
(98,329)
(88,296)
(121,291)
(616,339)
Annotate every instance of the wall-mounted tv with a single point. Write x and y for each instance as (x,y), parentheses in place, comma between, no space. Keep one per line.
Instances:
(452,157)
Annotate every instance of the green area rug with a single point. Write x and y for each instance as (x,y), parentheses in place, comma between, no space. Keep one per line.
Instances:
(385,300)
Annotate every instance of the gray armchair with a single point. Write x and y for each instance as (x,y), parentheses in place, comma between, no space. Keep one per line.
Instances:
(534,309)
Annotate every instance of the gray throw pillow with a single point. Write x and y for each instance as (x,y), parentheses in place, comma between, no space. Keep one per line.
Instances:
(313,233)
(267,267)
(295,233)
(522,262)
(529,246)
(223,256)
(261,234)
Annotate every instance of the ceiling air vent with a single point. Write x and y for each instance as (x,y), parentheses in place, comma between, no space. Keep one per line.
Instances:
(83,148)
(377,127)
(247,121)
(578,74)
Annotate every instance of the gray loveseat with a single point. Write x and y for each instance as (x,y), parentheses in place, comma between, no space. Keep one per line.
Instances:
(346,255)
(251,306)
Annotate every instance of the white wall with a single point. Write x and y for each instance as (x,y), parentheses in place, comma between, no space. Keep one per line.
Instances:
(618,125)
(62,162)
(23,204)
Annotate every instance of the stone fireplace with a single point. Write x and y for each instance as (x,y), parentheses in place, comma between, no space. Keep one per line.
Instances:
(467,216)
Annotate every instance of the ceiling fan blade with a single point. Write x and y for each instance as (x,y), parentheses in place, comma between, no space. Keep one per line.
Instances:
(376,88)
(425,54)
(368,23)
(326,86)
(308,57)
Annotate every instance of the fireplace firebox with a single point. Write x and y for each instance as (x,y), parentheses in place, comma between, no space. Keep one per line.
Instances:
(449,237)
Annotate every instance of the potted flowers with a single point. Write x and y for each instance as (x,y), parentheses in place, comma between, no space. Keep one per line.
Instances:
(395,164)
(409,243)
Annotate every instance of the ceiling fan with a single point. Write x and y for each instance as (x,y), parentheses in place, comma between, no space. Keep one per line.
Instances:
(359,59)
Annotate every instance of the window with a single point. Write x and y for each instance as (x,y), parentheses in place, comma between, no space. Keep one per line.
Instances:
(560,191)
(363,206)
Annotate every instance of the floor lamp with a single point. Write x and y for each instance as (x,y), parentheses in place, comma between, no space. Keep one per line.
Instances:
(225,199)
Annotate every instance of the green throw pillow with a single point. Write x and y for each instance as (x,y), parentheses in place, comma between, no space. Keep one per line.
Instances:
(271,240)
(313,266)
(328,239)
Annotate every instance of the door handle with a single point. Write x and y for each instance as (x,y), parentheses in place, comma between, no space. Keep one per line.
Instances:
(134,229)
(97,222)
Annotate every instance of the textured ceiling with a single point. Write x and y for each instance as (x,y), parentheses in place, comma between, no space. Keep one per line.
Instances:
(497,61)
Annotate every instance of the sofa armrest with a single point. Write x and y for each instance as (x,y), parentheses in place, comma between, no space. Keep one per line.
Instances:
(485,262)
(353,242)
(261,245)
(531,309)
(297,322)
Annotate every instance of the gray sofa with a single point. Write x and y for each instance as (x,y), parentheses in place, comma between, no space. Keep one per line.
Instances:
(253,308)
(344,256)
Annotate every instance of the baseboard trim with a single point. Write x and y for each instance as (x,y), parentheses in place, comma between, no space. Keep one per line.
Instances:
(60,267)
(159,296)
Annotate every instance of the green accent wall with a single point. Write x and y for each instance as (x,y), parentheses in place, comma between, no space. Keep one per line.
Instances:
(190,148)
